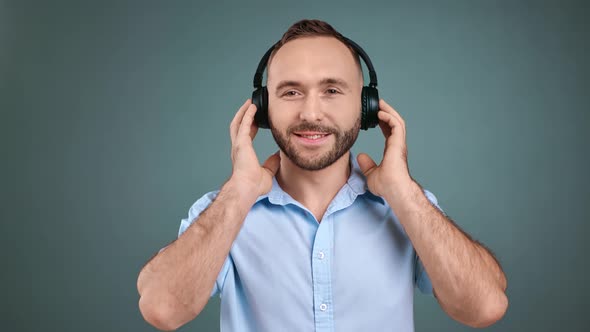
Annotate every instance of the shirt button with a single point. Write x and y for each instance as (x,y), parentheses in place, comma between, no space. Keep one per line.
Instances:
(321,255)
(323,307)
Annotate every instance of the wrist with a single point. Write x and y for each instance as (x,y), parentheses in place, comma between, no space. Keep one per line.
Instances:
(244,194)
(402,193)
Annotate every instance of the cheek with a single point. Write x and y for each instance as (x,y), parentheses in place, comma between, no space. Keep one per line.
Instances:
(277,120)
(348,111)
(281,113)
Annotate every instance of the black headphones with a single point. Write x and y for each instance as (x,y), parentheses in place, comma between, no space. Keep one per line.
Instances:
(369,96)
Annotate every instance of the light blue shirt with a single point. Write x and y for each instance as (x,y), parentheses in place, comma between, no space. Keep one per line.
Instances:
(354,271)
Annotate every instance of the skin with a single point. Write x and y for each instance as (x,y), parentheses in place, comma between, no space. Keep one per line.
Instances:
(307,62)
(469,283)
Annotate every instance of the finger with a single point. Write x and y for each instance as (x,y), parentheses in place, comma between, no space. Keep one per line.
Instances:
(235,123)
(245,128)
(395,128)
(384,125)
(253,130)
(388,123)
(366,164)
(384,106)
(273,163)
(240,113)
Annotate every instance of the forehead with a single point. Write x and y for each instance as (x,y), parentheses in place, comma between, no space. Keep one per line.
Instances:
(311,59)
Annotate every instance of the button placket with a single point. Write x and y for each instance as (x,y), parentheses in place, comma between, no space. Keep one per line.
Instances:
(322,280)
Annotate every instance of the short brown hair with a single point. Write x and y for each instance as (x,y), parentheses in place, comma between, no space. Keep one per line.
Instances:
(312,28)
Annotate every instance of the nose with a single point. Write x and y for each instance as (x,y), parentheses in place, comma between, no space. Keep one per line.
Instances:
(312,109)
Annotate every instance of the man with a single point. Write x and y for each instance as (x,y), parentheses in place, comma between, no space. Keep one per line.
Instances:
(315,239)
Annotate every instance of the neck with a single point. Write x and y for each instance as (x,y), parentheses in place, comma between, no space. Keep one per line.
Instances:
(314,189)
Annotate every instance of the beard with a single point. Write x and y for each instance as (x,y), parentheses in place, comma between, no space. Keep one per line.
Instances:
(343,141)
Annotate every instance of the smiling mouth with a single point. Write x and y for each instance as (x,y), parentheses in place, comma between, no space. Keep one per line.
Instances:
(311,135)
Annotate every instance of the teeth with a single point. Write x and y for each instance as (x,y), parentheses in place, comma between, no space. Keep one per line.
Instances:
(312,136)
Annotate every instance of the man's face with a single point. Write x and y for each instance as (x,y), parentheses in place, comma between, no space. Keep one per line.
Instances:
(314,86)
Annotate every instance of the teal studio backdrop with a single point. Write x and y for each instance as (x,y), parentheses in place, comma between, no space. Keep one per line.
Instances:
(115,120)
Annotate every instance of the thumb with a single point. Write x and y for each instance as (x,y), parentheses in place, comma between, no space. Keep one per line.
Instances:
(365,163)
(272,163)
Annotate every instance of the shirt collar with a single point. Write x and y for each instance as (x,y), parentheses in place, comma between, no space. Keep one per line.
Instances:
(355,185)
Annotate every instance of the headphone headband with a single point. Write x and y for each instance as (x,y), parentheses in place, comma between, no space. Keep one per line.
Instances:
(262,64)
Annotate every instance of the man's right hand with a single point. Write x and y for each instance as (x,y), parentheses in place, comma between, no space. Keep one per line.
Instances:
(196,258)
(247,174)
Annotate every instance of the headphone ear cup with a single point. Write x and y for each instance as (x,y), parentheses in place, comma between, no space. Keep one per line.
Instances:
(369,108)
(260,99)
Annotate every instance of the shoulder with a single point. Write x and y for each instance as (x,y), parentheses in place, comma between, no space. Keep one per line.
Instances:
(429,195)
(196,209)
(202,203)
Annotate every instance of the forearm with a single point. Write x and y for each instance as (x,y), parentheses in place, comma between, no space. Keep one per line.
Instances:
(177,282)
(468,281)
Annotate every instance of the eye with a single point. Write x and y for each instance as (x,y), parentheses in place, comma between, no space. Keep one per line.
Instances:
(332,91)
(290,93)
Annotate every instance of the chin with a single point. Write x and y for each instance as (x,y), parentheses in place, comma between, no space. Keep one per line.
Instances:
(316,162)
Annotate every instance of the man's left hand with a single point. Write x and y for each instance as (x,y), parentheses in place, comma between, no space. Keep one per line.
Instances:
(392,176)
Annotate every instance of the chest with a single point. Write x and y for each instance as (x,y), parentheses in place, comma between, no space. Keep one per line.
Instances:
(353,256)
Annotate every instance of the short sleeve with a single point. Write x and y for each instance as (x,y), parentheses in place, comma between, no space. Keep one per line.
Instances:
(433,200)
(196,209)
(421,278)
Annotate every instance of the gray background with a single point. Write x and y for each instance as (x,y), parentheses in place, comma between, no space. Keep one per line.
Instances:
(115,120)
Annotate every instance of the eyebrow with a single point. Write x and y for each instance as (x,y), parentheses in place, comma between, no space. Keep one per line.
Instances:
(323,81)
